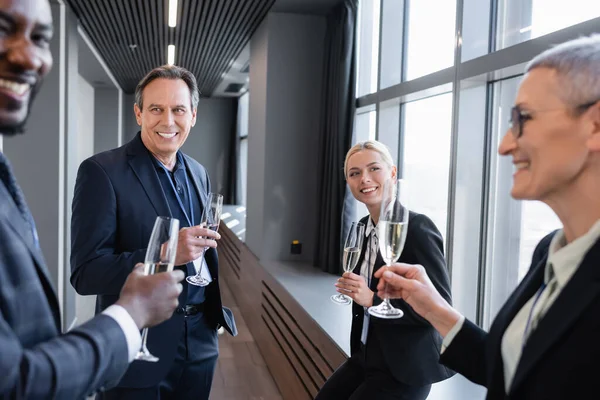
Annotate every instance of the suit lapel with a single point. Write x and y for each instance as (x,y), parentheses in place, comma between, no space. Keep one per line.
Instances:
(10,213)
(198,185)
(143,167)
(572,301)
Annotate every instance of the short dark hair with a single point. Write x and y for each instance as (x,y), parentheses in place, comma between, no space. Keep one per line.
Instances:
(169,72)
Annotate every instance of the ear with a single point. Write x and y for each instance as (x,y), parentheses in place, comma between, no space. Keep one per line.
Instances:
(394,171)
(593,116)
(194,111)
(138,114)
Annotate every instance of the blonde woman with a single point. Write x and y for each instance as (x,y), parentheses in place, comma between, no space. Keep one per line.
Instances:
(390,359)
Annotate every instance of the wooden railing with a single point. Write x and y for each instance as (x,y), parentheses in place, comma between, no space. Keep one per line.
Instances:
(298,353)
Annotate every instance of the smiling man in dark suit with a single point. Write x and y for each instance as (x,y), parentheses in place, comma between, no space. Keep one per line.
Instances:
(36,361)
(118,195)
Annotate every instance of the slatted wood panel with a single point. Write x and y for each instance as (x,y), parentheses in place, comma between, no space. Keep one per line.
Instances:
(209,35)
(299,354)
(230,251)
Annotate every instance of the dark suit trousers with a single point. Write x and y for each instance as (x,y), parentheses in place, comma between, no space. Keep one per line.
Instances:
(192,372)
(365,376)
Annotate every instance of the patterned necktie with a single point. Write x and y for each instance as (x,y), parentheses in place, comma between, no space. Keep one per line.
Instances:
(8,178)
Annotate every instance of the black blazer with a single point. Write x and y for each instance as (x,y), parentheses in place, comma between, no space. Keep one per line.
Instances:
(117,198)
(412,345)
(560,358)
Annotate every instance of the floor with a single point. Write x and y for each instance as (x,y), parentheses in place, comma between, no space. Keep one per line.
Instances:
(241,370)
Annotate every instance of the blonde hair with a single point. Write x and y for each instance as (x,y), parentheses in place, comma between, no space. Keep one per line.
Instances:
(369,145)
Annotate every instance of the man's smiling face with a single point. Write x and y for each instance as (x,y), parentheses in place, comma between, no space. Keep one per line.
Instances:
(166,116)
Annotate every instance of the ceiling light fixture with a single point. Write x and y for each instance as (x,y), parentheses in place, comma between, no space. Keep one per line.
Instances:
(171,54)
(172,13)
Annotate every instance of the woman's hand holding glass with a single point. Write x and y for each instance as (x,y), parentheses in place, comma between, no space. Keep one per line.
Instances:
(352,249)
(355,287)
(411,283)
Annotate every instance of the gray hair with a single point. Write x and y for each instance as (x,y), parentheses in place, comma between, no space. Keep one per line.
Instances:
(169,72)
(577,63)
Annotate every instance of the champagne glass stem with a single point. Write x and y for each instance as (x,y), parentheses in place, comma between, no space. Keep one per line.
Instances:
(199,273)
(144,339)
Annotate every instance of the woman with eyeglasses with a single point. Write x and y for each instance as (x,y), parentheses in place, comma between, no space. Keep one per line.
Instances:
(390,358)
(544,342)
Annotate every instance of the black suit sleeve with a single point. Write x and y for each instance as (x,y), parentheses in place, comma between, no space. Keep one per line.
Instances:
(466,353)
(96,267)
(91,357)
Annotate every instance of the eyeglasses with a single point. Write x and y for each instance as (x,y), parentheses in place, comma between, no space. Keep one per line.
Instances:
(518,116)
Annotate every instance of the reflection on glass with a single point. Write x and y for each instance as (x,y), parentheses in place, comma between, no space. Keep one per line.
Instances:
(521,20)
(430,37)
(367,46)
(426,155)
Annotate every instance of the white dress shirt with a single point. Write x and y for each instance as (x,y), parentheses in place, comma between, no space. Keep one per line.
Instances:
(563,261)
(128,326)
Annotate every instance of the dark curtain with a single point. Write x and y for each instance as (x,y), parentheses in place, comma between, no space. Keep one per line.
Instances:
(338,105)
(231,195)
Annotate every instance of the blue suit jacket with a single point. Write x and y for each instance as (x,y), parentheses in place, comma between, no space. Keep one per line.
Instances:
(36,361)
(117,199)
(560,359)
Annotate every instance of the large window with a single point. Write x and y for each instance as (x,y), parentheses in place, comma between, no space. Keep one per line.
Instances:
(435,83)
(431,36)
(443,116)
(368,46)
(426,156)
(521,20)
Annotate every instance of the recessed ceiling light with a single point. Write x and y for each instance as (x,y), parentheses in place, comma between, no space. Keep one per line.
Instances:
(173,13)
(171,54)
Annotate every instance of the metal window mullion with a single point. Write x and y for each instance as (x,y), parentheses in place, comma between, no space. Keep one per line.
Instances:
(454,137)
(401,133)
(485,203)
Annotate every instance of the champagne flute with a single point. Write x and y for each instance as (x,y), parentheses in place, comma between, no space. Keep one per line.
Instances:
(352,248)
(211,217)
(160,257)
(391,230)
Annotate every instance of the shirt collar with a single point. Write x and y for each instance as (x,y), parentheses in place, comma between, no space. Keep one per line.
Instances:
(564,258)
(370,227)
(179,164)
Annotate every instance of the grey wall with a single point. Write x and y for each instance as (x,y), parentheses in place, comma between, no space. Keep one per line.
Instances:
(130,126)
(257,132)
(209,140)
(85,120)
(283,132)
(106,121)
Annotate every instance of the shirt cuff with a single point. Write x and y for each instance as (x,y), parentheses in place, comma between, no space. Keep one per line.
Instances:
(452,333)
(128,326)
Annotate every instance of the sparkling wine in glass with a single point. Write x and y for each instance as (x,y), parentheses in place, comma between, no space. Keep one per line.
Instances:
(391,231)
(352,248)
(211,218)
(160,257)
